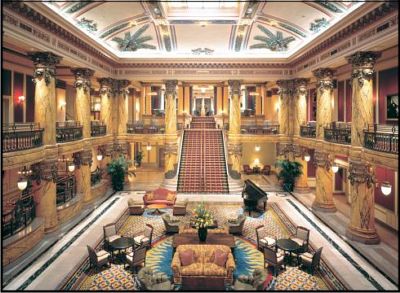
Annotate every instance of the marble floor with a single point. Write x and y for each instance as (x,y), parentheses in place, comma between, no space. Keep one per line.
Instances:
(55,265)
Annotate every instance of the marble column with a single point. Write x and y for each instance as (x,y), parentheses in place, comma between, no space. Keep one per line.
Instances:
(301,185)
(235,156)
(286,89)
(83,161)
(362,213)
(324,183)
(234,111)
(122,105)
(106,95)
(46,207)
(324,99)
(171,152)
(362,100)
(300,104)
(170,112)
(45,93)
(82,84)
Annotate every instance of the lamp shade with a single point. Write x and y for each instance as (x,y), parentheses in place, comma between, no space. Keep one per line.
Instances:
(148,147)
(257,148)
(335,168)
(307,157)
(22,183)
(71,168)
(386,188)
(99,157)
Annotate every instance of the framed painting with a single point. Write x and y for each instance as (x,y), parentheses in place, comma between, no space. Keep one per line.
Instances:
(392,107)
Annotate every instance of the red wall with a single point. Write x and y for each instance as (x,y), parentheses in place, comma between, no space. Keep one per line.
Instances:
(388,84)
(383,174)
(30,99)
(339,180)
(18,91)
(349,95)
(341,101)
(310,165)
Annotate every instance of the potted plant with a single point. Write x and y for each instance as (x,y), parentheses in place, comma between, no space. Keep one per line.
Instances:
(288,173)
(117,169)
(139,158)
(202,219)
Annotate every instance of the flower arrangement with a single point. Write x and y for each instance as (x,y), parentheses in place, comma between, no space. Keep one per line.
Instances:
(202,217)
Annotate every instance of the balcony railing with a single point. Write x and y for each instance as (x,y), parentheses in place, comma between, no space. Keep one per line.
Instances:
(140,128)
(19,215)
(68,131)
(270,129)
(95,176)
(382,138)
(338,135)
(21,136)
(97,128)
(66,188)
(307,131)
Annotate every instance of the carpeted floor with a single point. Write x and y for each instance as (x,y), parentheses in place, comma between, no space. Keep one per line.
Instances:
(247,257)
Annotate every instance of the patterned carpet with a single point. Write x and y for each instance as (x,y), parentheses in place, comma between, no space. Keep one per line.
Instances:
(247,257)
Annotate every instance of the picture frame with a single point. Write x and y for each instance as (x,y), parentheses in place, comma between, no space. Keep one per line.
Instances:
(392,107)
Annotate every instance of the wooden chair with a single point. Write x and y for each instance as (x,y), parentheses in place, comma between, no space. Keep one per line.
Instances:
(145,238)
(98,259)
(137,257)
(171,225)
(273,259)
(110,234)
(301,238)
(311,261)
(263,239)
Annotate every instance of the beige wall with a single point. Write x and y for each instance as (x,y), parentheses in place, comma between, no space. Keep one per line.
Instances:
(266,155)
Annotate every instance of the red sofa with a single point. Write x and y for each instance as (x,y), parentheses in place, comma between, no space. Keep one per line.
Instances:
(160,196)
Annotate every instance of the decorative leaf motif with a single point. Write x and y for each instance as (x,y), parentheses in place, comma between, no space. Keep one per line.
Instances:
(134,42)
(273,42)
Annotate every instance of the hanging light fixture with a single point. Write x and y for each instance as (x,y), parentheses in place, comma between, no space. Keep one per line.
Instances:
(148,147)
(71,167)
(307,157)
(22,183)
(335,168)
(257,148)
(386,188)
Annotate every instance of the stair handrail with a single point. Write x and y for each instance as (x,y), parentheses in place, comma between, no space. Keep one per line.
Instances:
(178,168)
(226,156)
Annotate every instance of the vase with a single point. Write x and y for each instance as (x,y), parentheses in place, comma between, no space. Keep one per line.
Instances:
(202,234)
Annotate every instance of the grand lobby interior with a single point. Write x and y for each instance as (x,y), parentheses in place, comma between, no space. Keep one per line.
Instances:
(200,145)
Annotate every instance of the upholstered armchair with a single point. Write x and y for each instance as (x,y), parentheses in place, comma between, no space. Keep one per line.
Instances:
(266,170)
(98,259)
(264,239)
(171,225)
(273,259)
(247,170)
(137,257)
(258,281)
(145,238)
(110,234)
(179,208)
(153,281)
(301,238)
(311,261)
(236,226)
(135,208)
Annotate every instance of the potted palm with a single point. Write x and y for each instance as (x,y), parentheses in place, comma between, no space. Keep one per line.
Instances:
(117,169)
(288,173)
(202,219)
(139,158)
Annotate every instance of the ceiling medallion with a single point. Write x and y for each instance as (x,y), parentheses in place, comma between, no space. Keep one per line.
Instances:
(205,51)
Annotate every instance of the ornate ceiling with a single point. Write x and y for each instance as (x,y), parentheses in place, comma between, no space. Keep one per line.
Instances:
(202,29)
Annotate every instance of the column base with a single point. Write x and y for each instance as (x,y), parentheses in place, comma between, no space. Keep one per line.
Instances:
(362,235)
(50,229)
(324,207)
(302,189)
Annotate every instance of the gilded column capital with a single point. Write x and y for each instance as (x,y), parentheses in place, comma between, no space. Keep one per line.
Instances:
(170,87)
(301,86)
(106,86)
(45,65)
(321,159)
(235,149)
(234,84)
(360,172)
(82,78)
(122,86)
(286,86)
(324,78)
(45,170)
(83,158)
(284,149)
(363,65)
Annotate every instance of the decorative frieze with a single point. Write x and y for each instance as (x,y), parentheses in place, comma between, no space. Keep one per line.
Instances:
(82,78)
(363,65)
(360,172)
(324,78)
(234,85)
(45,65)
(321,159)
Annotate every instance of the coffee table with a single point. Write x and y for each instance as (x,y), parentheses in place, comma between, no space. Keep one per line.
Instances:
(156,208)
(287,245)
(212,238)
(122,243)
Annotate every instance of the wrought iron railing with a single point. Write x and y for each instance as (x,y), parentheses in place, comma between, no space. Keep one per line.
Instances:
(260,129)
(68,131)
(21,136)
(337,135)
(382,138)
(140,128)
(95,176)
(18,215)
(97,128)
(307,131)
(66,188)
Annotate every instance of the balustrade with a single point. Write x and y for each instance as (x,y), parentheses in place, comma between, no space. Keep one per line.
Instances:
(68,131)
(338,132)
(97,128)
(382,138)
(21,136)
(308,131)
(140,128)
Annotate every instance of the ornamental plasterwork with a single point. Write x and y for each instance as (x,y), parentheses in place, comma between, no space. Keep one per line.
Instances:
(170,87)
(87,24)
(301,86)
(45,170)
(45,65)
(286,87)
(321,159)
(235,149)
(136,41)
(106,86)
(324,78)
(363,65)
(234,85)
(82,78)
(318,25)
(205,51)
(273,42)
(360,172)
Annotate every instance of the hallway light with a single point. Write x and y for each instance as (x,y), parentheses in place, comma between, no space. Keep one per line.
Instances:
(307,157)
(71,167)
(22,183)
(335,168)
(386,188)
(257,148)
(21,99)
(148,147)
(99,157)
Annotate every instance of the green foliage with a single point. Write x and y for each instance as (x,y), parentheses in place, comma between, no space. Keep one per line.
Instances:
(289,171)
(273,42)
(136,41)
(139,158)
(117,169)
(202,217)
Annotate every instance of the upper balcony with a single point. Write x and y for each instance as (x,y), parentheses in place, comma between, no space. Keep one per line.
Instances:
(338,132)
(68,131)
(139,127)
(21,136)
(382,138)
(97,128)
(308,130)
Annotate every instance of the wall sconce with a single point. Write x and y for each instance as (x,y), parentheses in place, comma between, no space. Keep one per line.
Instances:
(70,166)
(21,99)
(62,105)
(277,106)
(386,187)
(307,157)
(257,148)
(99,156)
(335,168)
(148,147)
(23,179)
(97,107)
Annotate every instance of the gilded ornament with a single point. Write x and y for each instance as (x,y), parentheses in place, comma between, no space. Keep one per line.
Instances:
(360,172)
(324,78)
(234,84)
(82,78)
(363,65)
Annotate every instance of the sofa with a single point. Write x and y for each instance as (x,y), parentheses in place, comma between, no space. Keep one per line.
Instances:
(260,280)
(203,271)
(160,196)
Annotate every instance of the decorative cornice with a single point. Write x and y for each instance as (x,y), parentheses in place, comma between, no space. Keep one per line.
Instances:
(321,159)
(301,86)
(324,78)
(360,172)
(82,78)
(170,86)
(206,65)
(363,65)
(45,65)
(234,85)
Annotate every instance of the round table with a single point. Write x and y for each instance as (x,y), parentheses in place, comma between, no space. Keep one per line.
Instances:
(122,243)
(156,208)
(287,245)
